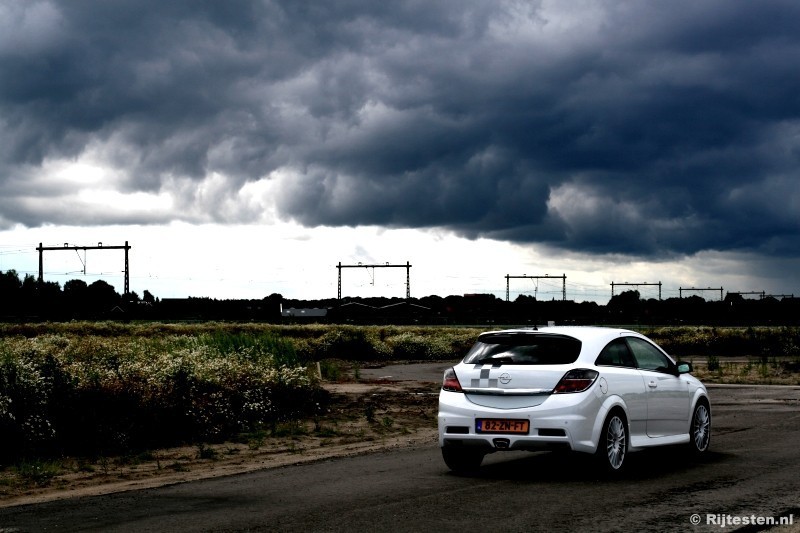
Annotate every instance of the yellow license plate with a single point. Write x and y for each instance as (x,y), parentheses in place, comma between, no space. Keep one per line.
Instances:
(501,425)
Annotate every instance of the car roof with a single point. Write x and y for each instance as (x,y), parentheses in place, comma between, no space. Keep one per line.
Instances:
(593,338)
(583,333)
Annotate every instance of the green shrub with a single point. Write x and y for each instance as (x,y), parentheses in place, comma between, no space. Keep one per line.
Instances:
(25,397)
(408,346)
(349,343)
(257,345)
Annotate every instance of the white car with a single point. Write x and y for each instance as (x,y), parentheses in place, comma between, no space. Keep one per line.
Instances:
(601,391)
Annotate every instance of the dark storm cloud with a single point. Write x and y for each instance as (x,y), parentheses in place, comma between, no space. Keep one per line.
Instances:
(634,127)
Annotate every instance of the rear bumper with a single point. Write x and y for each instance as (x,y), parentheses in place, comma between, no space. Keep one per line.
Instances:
(567,421)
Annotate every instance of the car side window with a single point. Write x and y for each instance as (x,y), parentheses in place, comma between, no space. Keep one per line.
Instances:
(616,353)
(648,357)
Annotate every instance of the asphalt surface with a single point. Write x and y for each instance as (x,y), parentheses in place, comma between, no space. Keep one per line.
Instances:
(421,372)
(750,475)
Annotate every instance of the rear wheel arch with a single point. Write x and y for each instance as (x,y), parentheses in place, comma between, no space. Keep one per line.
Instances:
(619,409)
(610,404)
(614,441)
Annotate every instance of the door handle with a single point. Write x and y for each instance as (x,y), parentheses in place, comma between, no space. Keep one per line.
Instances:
(652,384)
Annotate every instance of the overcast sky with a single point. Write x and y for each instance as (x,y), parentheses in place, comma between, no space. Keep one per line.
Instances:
(247,147)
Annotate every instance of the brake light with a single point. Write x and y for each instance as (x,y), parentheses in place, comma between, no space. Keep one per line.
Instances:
(577,380)
(450,381)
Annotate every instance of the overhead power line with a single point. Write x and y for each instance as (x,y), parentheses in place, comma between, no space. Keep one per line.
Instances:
(635,285)
(41,249)
(407,266)
(563,279)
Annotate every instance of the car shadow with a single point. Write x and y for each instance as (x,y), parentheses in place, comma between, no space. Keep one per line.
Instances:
(580,467)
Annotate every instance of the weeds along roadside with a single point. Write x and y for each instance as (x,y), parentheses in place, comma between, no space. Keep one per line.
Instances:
(94,395)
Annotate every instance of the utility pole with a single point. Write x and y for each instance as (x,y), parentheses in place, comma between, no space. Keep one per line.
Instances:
(562,277)
(407,266)
(41,249)
(635,285)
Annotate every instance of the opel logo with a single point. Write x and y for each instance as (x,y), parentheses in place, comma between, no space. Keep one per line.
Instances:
(505,378)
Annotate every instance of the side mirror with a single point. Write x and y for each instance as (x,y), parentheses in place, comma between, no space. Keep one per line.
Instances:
(684,367)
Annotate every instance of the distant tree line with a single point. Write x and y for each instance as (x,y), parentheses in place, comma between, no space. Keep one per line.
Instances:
(28,299)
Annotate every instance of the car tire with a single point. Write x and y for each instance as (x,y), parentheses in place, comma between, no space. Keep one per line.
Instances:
(462,459)
(700,428)
(612,447)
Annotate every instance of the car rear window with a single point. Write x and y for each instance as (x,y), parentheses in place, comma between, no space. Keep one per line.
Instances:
(524,349)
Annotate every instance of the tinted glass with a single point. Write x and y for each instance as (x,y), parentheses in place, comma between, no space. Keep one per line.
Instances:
(648,357)
(524,349)
(616,353)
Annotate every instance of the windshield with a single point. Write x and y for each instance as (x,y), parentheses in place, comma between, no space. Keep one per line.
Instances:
(524,349)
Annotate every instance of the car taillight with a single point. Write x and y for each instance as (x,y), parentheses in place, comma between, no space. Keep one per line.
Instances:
(450,381)
(577,380)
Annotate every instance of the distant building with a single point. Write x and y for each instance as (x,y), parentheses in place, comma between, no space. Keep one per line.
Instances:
(395,313)
(314,313)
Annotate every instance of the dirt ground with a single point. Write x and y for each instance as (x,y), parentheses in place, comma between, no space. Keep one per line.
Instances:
(364,417)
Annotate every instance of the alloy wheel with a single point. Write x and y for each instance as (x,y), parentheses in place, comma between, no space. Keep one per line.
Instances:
(616,442)
(701,424)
